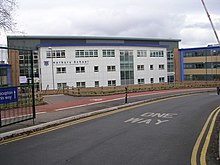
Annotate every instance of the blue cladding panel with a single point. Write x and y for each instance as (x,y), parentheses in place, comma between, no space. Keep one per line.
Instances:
(181,66)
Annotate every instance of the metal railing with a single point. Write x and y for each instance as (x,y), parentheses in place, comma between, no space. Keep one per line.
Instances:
(17,100)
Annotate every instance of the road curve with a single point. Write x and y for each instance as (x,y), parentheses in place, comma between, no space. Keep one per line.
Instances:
(161,132)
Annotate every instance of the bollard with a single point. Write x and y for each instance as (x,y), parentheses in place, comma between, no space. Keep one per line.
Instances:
(126,95)
(218,90)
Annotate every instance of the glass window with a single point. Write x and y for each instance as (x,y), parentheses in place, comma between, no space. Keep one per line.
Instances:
(161,67)
(108,53)
(96,83)
(86,53)
(151,80)
(80,69)
(142,53)
(80,84)
(140,67)
(161,79)
(151,67)
(111,68)
(61,85)
(61,70)
(55,54)
(96,68)
(141,81)
(156,53)
(112,83)
(126,67)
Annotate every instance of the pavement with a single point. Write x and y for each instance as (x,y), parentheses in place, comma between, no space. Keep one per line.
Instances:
(60,108)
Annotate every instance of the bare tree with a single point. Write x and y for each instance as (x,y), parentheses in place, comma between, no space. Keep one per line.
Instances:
(7,8)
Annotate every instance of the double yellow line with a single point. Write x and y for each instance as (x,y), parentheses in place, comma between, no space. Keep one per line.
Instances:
(212,118)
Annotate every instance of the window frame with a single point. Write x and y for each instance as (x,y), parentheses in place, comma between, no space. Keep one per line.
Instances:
(80,84)
(161,66)
(111,82)
(80,69)
(96,68)
(140,67)
(141,81)
(60,70)
(111,68)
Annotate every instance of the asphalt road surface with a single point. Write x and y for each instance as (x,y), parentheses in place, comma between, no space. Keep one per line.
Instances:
(159,133)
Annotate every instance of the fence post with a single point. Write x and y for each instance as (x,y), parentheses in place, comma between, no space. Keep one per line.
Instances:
(78,91)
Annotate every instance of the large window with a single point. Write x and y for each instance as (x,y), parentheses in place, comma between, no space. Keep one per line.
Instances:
(80,69)
(61,70)
(80,84)
(197,65)
(61,85)
(96,83)
(156,53)
(140,67)
(96,68)
(56,54)
(111,68)
(170,62)
(86,53)
(141,81)
(126,67)
(151,80)
(108,53)
(112,83)
(142,53)
(161,67)
(161,79)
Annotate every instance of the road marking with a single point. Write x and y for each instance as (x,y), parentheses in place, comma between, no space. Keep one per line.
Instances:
(152,118)
(160,121)
(207,140)
(159,115)
(85,119)
(38,113)
(96,99)
(199,139)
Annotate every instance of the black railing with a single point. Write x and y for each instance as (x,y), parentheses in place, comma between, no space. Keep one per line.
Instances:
(17,99)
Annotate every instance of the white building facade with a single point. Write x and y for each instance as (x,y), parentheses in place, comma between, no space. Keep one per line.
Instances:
(97,65)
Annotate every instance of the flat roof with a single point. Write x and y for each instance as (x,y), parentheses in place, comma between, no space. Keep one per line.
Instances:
(87,37)
(200,48)
(104,44)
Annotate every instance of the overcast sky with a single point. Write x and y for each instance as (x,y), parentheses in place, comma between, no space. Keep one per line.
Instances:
(176,19)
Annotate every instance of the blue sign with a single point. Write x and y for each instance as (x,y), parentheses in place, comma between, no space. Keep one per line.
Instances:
(8,95)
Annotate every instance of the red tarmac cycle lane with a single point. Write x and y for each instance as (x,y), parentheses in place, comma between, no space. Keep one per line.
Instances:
(99,99)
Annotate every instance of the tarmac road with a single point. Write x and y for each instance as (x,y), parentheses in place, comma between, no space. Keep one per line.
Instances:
(161,132)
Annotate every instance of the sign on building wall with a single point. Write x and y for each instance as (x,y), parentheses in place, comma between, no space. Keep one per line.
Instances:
(23,79)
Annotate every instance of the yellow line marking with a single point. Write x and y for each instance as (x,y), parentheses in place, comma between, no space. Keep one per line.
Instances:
(53,128)
(207,140)
(199,139)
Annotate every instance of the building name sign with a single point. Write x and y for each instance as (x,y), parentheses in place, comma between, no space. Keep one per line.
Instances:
(75,62)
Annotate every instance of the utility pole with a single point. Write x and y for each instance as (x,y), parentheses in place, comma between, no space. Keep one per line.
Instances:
(213,28)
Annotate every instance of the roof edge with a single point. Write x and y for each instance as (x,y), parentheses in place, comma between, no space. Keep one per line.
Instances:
(86,37)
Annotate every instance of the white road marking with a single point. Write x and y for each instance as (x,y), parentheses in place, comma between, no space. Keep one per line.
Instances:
(160,121)
(152,118)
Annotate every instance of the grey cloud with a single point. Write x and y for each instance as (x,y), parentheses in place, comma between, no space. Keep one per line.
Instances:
(135,18)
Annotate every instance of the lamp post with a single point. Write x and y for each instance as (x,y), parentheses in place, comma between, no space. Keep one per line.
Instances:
(51,55)
(206,71)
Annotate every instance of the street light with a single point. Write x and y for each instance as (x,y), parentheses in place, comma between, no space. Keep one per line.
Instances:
(51,55)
